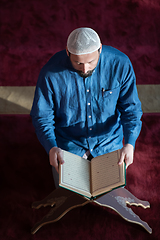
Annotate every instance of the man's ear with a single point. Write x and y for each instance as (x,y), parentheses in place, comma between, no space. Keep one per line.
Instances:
(67,51)
(101,48)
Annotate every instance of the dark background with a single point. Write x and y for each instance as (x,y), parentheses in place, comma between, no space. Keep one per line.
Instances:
(32,31)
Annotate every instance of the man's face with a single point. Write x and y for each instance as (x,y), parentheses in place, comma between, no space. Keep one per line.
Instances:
(84,64)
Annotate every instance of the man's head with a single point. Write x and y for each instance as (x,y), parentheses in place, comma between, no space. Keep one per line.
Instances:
(83,48)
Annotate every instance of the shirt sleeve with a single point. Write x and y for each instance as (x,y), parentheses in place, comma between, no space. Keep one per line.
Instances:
(129,106)
(42,113)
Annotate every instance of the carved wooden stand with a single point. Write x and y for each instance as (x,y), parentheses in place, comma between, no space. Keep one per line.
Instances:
(63,201)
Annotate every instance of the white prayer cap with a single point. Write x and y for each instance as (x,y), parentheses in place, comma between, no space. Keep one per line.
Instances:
(83,41)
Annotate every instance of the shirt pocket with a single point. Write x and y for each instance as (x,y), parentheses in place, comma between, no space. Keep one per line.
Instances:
(107,101)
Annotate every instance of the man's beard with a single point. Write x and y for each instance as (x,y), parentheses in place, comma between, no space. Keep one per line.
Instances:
(85,75)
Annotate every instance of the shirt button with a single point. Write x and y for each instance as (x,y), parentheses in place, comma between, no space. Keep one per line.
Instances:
(91,150)
(89,104)
(110,92)
(90,129)
(89,116)
(87,90)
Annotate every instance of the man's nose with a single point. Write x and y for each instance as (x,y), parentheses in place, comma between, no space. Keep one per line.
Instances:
(85,68)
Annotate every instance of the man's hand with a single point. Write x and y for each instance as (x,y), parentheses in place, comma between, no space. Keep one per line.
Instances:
(126,155)
(55,156)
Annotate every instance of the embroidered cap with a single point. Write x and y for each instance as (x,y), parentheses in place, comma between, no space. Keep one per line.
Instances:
(83,41)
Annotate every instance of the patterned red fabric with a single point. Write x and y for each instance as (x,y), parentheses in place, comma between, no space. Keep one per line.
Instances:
(25,177)
(32,31)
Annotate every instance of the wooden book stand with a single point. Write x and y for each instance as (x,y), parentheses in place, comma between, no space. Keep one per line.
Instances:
(62,201)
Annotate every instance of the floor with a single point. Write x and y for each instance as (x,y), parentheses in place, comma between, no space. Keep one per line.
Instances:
(18,100)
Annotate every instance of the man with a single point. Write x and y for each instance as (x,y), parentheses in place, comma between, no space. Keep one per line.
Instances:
(86,101)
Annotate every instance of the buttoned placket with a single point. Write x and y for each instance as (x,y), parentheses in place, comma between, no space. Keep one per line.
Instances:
(89,113)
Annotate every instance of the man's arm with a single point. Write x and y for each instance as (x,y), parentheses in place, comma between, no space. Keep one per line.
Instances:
(129,106)
(42,114)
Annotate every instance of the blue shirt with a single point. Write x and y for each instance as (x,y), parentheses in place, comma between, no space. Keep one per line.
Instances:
(93,113)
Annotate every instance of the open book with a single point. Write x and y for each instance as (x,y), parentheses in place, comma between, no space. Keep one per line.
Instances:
(91,178)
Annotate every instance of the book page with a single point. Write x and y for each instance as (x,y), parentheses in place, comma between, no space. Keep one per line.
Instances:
(75,173)
(106,173)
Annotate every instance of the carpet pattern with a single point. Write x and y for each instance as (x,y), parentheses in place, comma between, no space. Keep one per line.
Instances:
(31,32)
(25,177)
